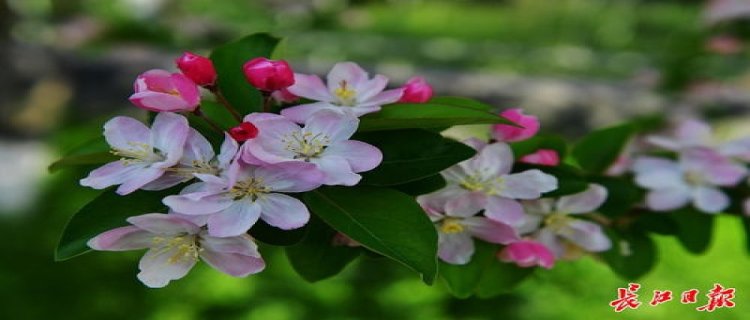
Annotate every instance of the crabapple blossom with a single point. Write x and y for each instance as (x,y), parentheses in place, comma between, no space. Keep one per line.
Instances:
(544,157)
(485,182)
(416,90)
(147,154)
(175,245)
(160,90)
(349,90)
(527,253)
(268,75)
(235,200)
(284,96)
(458,225)
(323,142)
(560,232)
(696,176)
(243,132)
(529,126)
(198,68)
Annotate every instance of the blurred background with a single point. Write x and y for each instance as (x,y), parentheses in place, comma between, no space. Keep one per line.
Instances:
(68,65)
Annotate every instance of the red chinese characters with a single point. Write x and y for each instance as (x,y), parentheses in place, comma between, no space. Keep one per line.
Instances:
(718,297)
(626,298)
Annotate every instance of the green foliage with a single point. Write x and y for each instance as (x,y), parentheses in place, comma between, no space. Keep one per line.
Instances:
(597,151)
(427,115)
(535,143)
(81,160)
(317,257)
(422,186)
(228,60)
(633,253)
(411,154)
(570,180)
(695,229)
(268,234)
(622,195)
(383,220)
(108,211)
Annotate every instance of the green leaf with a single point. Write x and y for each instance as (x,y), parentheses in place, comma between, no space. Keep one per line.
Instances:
(695,229)
(657,222)
(426,115)
(107,211)
(228,60)
(410,155)
(463,280)
(633,254)
(746,227)
(316,257)
(422,186)
(622,194)
(597,151)
(463,102)
(533,144)
(501,277)
(569,178)
(219,114)
(82,160)
(383,220)
(268,234)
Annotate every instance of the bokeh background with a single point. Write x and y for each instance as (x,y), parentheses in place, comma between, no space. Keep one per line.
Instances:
(68,65)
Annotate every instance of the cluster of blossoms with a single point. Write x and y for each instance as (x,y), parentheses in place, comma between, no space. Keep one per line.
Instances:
(697,172)
(485,199)
(261,161)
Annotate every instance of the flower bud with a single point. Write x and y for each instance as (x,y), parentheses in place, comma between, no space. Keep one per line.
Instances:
(198,68)
(544,157)
(508,133)
(526,253)
(243,132)
(416,90)
(284,96)
(159,90)
(268,75)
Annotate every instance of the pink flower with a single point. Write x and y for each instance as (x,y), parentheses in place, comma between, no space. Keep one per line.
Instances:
(268,75)
(560,232)
(457,226)
(416,90)
(718,11)
(529,126)
(284,96)
(174,247)
(243,132)
(159,90)
(527,253)
(146,153)
(724,45)
(198,68)
(696,177)
(686,134)
(349,90)
(545,157)
(485,182)
(235,200)
(323,142)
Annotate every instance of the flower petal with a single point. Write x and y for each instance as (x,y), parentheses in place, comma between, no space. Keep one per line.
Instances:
(710,200)
(348,72)
(587,235)
(465,204)
(369,88)
(667,199)
(158,268)
(385,97)
(204,204)
(529,184)
(455,248)
(583,202)
(310,87)
(337,171)
(196,148)
(108,175)
(168,134)
(361,156)
(139,178)
(333,125)
(490,230)
(235,256)
(163,224)
(301,113)
(122,239)
(283,211)
(235,220)
(505,210)
(124,132)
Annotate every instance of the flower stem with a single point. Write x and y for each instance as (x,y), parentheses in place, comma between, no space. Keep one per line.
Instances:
(208,120)
(267,99)
(223,101)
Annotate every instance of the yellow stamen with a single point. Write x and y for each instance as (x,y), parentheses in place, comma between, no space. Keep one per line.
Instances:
(451,226)
(252,187)
(346,95)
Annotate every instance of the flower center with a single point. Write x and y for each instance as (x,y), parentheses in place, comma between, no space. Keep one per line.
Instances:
(488,186)
(253,188)
(693,178)
(197,166)
(306,145)
(184,247)
(558,222)
(138,152)
(346,95)
(451,226)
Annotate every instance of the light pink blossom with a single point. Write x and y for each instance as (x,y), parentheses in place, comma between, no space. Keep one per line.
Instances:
(416,90)
(528,253)
(159,90)
(147,154)
(544,157)
(529,126)
(323,142)
(175,245)
(349,90)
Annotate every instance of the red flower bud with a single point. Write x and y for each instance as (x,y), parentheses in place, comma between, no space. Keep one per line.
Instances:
(416,90)
(198,68)
(268,75)
(245,131)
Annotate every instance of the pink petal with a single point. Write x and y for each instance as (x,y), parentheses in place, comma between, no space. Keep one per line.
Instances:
(228,151)
(196,148)
(455,248)
(385,97)
(124,132)
(583,202)
(368,89)
(168,133)
(163,224)
(310,87)
(529,126)
(235,220)
(503,210)
(437,200)
(527,253)
(361,156)
(292,176)
(529,184)
(493,160)
(139,178)
(475,143)
(334,125)
(301,113)
(350,72)
(121,239)
(186,204)
(587,235)
(465,204)
(157,270)
(188,90)
(710,200)
(667,199)
(337,171)
(110,174)
(160,102)
(544,157)
(283,211)
(693,131)
(236,256)
(490,230)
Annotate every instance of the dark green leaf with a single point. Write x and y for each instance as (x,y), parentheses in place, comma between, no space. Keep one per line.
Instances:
(383,220)
(410,155)
(219,114)
(533,144)
(228,60)
(463,280)
(501,277)
(657,222)
(422,186)
(569,179)
(316,257)
(622,194)
(426,115)
(633,254)
(746,227)
(82,160)
(598,151)
(268,234)
(107,211)
(463,102)
(695,229)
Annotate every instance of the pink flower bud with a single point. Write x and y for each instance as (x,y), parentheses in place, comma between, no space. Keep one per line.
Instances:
(527,253)
(284,96)
(198,68)
(544,157)
(245,131)
(416,90)
(159,90)
(508,133)
(268,75)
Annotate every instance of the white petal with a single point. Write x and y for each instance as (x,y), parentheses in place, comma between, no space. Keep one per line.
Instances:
(667,199)
(584,202)
(235,220)
(710,200)
(283,211)
(158,267)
